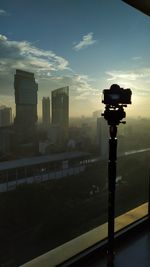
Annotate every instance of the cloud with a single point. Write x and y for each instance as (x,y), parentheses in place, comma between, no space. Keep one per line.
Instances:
(3,13)
(137,80)
(24,55)
(86,41)
(115,75)
(80,86)
(137,58)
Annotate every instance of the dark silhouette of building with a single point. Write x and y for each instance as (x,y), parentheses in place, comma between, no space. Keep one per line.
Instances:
(60,111)
(6,142)
(143,5)
(26,107)
(5,116)
(46,112)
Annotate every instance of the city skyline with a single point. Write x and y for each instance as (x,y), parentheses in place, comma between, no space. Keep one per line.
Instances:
(46,112)
(86,47)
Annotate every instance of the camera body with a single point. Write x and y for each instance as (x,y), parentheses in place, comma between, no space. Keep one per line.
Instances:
(116,95)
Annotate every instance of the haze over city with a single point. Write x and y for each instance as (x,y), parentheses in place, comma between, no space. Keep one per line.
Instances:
(86,47)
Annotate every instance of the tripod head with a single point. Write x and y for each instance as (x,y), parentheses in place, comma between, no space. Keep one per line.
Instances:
(115,99)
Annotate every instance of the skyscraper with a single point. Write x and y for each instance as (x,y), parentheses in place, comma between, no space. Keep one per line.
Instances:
(60,110)
(102,137)
(96,114)
(5,116)
(46,112)
(26,105)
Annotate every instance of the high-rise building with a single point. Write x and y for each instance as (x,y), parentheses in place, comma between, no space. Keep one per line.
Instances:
(96,114)
(46,112)
(102,137)
(26,105)
(5,116)
(6,140)
(60,111)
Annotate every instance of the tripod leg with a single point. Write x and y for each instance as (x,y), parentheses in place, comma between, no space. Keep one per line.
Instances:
(111,195)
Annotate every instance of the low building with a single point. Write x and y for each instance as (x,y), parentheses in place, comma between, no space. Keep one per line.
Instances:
(5,116)
(6,141)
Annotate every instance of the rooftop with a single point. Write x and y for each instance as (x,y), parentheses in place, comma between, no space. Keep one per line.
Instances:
(23,72)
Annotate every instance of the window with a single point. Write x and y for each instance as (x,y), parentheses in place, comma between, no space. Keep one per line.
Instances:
(53,169)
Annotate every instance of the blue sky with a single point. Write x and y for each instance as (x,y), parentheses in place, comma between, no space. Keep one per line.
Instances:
(87,45)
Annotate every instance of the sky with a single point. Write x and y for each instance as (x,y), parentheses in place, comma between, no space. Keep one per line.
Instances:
(84,44)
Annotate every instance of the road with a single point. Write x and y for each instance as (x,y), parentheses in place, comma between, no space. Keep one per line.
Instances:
(132,152)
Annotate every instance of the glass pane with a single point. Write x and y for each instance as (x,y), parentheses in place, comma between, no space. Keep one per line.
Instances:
(56,57)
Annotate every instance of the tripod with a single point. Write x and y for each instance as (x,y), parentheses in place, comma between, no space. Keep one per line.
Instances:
(113,114)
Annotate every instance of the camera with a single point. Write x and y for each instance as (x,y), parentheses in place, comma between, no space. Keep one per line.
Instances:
(116,95)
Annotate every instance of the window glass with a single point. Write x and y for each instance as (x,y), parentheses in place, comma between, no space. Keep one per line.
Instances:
(56,57)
